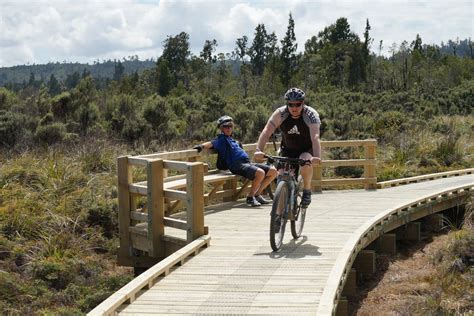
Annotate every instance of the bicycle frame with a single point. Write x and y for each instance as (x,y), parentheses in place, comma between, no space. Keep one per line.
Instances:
(285,204)
(289,175)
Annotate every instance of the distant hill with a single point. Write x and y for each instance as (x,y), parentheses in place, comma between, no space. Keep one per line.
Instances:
(106,69)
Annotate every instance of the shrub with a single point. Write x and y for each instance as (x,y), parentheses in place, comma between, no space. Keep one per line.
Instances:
(56,272)
(9,288)
(448,151)
(47,119)
(104,217)
(11,128)
(50,134)
(96,159)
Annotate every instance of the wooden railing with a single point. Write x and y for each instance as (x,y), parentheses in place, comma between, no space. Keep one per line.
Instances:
(148,235)
(369,179)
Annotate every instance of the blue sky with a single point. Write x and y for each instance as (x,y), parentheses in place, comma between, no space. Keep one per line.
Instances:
(41,31)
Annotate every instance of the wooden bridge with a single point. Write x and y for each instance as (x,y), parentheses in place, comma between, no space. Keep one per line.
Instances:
(227,266)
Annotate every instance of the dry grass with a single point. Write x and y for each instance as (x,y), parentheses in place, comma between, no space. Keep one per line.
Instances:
(433,278)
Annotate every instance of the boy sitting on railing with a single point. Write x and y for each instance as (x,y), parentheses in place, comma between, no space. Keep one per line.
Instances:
(235,159)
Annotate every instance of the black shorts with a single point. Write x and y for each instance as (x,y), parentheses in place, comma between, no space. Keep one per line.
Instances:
(292,153)
(248,169)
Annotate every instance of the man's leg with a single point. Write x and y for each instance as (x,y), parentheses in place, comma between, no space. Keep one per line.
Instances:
(307,174)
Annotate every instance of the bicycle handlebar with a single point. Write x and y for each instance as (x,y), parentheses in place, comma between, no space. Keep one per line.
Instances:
(292,161)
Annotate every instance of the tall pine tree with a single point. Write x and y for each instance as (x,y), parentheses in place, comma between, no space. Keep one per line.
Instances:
(288,53)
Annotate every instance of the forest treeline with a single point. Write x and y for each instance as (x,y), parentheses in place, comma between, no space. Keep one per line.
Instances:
(358,93)
(60,136)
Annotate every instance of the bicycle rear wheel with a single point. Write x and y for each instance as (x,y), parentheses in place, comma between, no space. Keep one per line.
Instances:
(299,212)
(277,218)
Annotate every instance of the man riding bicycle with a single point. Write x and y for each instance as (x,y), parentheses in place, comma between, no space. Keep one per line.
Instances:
(299,124)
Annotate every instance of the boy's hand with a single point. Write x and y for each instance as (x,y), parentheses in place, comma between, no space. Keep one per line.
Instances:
(198,148)
(258,156)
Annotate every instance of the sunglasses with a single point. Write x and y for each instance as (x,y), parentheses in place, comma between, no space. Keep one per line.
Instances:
(227,126)
(295,105)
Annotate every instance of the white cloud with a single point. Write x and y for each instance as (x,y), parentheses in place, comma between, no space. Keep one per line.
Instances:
(39,31)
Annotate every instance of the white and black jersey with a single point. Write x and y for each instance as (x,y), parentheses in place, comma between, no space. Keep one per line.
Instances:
(295,132)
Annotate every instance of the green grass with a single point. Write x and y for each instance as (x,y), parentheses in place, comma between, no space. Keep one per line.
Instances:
(59,220)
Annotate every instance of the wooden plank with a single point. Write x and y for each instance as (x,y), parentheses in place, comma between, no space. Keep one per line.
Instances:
(195,203)
(175,165)
(138,188)
(156,207)
(432,176)
(347,143)
(344,181)
(124,175)
(139,216)
(175,223)
(147,278)
(369,168)
(348,162)
(138,161)
(175,195)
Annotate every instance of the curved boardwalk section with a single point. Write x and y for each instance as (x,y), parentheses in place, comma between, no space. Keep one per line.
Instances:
(239,274)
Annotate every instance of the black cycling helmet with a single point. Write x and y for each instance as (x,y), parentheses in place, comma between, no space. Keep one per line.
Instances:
(294,94)
(223,119)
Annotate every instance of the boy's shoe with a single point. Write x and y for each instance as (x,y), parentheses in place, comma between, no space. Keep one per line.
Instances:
(252,201)
(306,198)
(262,200)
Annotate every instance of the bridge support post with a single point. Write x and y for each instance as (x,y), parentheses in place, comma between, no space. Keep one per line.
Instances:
(342,308)
(387,243)
(350,288)
(410,232)
(434,222)
(365,262)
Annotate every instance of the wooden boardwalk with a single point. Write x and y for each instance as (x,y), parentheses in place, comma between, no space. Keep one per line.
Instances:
(239,274)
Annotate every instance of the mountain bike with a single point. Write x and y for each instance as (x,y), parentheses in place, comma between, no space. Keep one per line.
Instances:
(287,200)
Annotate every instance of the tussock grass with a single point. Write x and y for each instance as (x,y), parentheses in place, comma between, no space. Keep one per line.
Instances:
(58,230)
(447,143)
(436,279)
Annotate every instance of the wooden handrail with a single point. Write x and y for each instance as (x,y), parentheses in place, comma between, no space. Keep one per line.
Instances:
(432,176)
(144,229)
(129,291)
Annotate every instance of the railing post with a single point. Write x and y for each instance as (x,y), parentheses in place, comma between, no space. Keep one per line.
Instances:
(124,175)
(156,205)
(195,200)
(369,169)
(318,177)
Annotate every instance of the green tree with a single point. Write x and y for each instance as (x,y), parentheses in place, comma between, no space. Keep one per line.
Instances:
(207,54)
(53,85)
(165,78)
(288,53)
(176,52)
(258,50)
(119,70)
(241,51)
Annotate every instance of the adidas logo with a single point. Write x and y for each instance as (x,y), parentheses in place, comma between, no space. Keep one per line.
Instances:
(294,130)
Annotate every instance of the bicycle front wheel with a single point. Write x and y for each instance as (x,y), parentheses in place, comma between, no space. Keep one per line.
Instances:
(277,217)
(299,213)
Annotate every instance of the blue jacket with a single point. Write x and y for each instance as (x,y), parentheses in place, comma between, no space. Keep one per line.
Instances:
(229,149)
